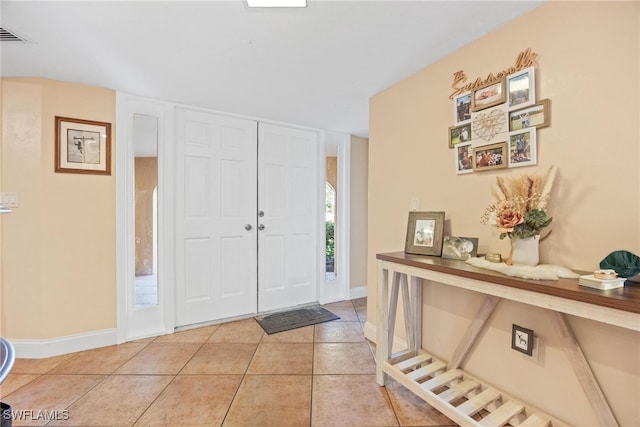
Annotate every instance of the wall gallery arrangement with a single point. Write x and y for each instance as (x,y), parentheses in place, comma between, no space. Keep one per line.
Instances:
(495,120)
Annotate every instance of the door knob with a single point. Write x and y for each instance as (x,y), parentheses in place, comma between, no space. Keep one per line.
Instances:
(261,227)
(260,214)
(248,227)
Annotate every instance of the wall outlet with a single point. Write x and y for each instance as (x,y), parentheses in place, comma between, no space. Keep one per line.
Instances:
(9,200)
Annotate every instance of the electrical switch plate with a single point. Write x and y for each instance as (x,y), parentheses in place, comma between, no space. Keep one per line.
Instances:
(9,200)
(415,203)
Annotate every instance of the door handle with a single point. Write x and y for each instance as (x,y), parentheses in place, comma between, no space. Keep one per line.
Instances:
(260,214)
(248,227)
(261,227)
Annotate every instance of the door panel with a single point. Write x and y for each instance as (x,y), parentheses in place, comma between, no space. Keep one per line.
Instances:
(287,194)
(216,261)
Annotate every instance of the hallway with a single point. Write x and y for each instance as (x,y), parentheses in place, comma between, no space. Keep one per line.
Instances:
(231,375)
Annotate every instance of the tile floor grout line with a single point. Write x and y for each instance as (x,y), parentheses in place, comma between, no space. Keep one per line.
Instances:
(244,375)
(172,379)
(154,400)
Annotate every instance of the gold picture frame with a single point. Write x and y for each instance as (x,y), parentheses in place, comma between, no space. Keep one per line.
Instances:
(489,95)
(82,146)
(424,233)
(459,134)
(535,116)
(493,156)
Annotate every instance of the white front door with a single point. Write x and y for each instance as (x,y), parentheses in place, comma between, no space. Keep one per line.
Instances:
(287,217)
(216,195)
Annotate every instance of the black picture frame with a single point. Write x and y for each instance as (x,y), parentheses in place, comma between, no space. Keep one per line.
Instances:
(522,339)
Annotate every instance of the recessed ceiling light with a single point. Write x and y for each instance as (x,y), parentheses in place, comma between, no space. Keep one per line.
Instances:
(277,3)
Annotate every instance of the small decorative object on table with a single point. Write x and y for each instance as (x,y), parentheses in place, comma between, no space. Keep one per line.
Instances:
(606,274)
(520,214)
(602,279)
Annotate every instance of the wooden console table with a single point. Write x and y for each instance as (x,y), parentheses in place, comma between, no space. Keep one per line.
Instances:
(447,387)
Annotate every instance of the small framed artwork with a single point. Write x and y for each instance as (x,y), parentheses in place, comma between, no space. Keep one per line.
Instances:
(462,108)
(461,248)
(536,116)
(82,146)
(424,233)
(464,158)
(521,87)
(459,134)
(522,339)
(488,95)
(522,148)
(489,157)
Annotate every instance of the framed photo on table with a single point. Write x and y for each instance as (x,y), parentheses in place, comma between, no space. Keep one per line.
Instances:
(424,233)
(82,146)
(460,248)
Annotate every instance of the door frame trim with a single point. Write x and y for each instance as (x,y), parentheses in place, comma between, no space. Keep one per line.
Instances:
(125,264)
(126,105)
(338,290)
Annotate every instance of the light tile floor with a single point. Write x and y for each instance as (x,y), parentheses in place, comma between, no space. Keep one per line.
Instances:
(224,375)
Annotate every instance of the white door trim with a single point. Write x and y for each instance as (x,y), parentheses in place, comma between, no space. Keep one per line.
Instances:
(338,290)
(161,316)
(124,170)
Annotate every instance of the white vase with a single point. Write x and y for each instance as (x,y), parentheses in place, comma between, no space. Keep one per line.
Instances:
(525,251)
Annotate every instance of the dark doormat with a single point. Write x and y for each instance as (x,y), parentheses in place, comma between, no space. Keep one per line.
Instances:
(287,320)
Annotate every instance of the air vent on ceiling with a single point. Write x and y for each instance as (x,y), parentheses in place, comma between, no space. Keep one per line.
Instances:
(8,36)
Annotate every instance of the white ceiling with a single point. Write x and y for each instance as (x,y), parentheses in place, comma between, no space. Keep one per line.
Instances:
(316,66)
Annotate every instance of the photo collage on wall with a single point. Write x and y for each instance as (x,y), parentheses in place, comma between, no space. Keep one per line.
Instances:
(494,125)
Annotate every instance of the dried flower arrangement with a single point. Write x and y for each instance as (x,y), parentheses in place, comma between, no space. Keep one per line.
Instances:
(520,210)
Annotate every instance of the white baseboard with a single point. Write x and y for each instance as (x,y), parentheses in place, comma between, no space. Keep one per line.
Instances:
(370,331)
(38,349)
(359,292)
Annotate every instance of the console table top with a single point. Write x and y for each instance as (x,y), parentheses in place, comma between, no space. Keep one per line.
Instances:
(626,298)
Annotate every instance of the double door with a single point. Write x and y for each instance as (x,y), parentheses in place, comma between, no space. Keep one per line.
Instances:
(246,216)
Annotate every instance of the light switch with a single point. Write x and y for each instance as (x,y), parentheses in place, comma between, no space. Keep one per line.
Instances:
(9,200)
(415,203)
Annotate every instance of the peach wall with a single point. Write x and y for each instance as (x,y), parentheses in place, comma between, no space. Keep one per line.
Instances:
(358,209)
(58,247)
(589,67)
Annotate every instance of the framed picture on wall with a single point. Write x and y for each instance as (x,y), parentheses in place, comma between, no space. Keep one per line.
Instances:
(82,146)
(487,157)
(536,116)
(424,233)
(462,108)
(464,158)
(521,88)
(459,134)
(522,339)
(522,148)
(488,95)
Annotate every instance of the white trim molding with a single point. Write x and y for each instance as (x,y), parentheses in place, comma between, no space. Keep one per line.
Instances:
(38,349)
(358,292)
